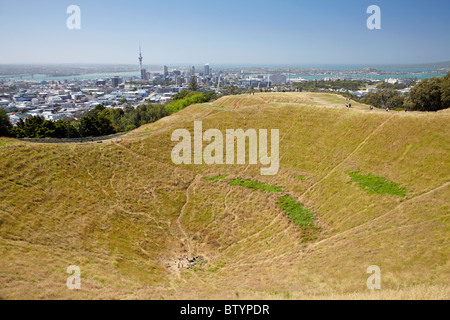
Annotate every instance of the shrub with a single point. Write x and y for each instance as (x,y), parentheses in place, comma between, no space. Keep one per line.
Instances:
(179,105)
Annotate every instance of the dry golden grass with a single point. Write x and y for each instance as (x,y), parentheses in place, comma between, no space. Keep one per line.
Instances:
(124,213)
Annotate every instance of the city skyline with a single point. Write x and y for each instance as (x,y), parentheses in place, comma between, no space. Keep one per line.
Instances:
(251,33)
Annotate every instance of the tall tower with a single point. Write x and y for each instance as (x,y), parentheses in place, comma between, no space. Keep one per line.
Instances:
(143,71)
(140,56)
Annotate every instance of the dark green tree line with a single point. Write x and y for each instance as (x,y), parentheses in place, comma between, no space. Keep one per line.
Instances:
(430,95)
(5,124)
(385,98)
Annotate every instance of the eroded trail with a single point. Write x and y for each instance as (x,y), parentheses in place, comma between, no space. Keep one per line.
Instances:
(371,222)
(182,213)
(358,148)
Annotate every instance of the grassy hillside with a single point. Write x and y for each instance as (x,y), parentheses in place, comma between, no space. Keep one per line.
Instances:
(126,215)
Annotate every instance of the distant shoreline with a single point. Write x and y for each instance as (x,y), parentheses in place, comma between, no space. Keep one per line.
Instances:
(44,77)
(308,72)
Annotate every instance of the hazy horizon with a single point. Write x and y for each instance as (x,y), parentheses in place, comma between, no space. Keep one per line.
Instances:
(230,65)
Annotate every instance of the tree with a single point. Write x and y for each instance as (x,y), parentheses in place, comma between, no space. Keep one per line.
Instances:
(130,127)
(184,94)
(210,95)
(89,127)
(430,94)
(106,126)
(72,131)
(37,127)
(94,112)
(193,86)
(178,105)
(32,126)
(5,124)
(386,85)
(445,91)
(385,98)
(116,115)
(425,96)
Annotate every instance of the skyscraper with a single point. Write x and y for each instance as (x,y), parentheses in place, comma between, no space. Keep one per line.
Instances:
(192,72)
(207,70)
(115,81)
(143,74)
(166,71)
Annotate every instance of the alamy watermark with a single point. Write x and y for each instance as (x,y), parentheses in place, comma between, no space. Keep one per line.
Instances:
(74,281)
(214,152)
(374,21)
(73,22)
(374,281)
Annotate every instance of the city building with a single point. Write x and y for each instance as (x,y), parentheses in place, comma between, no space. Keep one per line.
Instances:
(277,79)
(115,82)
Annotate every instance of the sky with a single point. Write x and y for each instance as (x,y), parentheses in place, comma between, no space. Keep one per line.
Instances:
(233,32)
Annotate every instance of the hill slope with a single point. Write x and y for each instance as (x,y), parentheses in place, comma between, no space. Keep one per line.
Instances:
(127,216)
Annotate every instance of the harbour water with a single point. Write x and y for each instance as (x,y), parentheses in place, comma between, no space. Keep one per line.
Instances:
(43,77)
(330,71)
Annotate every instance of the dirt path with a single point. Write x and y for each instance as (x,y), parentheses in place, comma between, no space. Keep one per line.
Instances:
(445,185)
(182,213)
(359,147)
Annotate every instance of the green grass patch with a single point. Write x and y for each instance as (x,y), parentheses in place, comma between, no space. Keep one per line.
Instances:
(215,179)
(255,185)
(216,268)
(379,185)
(7,142)
(299,214)
(302,178)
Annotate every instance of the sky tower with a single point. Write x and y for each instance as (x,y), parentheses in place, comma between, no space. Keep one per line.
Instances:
(143,71)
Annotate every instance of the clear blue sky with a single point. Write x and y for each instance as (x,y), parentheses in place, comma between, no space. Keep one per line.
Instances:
(225,32)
